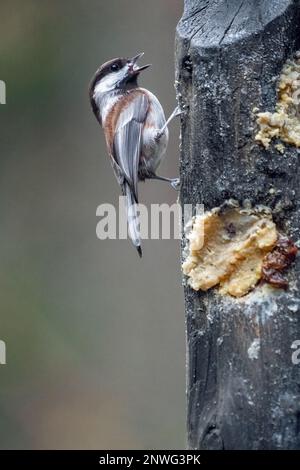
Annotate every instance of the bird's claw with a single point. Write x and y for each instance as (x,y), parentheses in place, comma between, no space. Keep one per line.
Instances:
(175,183)
(181,110)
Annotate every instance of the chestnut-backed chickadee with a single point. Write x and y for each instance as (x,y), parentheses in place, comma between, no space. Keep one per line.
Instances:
(135,130)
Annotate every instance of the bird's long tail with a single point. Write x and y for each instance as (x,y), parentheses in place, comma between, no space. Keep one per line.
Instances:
(133,218)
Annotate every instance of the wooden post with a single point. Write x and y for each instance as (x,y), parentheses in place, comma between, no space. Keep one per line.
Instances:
(229,56)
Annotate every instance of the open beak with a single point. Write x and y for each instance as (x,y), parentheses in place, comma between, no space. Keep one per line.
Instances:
(134,68)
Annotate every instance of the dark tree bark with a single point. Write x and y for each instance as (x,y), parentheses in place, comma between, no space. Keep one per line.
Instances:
(229,55)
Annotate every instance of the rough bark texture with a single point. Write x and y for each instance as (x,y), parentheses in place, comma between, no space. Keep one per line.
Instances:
(229,56)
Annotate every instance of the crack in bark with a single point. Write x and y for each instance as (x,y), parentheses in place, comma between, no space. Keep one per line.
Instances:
(196,12)
(231,22)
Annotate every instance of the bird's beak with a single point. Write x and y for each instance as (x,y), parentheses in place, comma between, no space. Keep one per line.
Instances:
(134,68)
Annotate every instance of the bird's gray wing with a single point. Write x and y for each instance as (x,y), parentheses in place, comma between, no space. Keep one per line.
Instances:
(128,137)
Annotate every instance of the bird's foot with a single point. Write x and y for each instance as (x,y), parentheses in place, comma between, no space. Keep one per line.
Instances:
(177,112)
(175,183)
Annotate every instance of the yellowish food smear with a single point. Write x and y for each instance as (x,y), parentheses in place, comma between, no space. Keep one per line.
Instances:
(284,123)
(227,248)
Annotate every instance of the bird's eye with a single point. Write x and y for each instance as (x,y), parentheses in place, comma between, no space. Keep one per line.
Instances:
(114,67)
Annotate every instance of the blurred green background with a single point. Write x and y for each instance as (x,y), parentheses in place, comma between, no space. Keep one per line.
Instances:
(94,335)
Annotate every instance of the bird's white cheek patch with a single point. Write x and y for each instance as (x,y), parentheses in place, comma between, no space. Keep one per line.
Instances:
(109,82)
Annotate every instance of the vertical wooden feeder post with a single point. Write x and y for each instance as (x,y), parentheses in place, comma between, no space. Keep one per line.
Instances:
(229,56)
